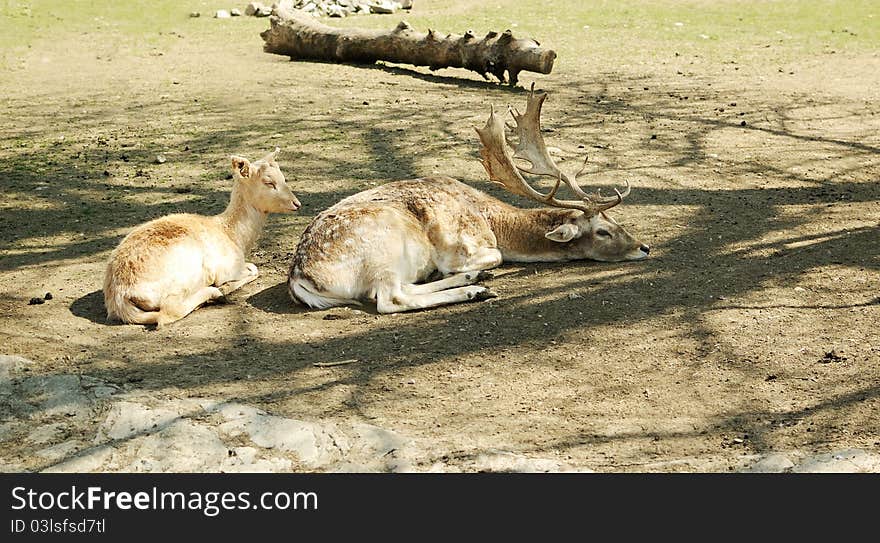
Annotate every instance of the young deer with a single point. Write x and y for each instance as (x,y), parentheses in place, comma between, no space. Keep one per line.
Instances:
(381,244)
(166,268)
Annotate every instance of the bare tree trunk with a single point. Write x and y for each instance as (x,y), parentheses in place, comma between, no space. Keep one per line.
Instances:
(300,37)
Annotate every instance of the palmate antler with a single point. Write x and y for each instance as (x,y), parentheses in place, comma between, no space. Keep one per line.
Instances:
(502,169)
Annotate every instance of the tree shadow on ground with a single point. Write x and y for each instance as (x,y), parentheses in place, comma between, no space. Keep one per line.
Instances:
(719,243)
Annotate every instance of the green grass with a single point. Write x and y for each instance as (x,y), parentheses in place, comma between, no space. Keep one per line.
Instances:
(729,28)
(28,24)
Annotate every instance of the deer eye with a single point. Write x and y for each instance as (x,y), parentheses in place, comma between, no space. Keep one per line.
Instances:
(270,184)
(604,233)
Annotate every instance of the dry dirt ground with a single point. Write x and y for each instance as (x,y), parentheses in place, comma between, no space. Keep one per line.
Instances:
(748,341)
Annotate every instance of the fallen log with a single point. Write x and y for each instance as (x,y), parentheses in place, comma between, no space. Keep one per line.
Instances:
(299,36)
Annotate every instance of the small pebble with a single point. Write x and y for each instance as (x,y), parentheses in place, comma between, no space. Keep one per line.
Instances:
(160,159)
(48,296)
(36,301)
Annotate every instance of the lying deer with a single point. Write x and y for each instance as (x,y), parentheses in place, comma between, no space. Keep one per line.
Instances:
(382,243)
(166,268)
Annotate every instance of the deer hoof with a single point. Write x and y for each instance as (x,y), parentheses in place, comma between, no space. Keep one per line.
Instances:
(220,299)
(484,294)
(485,275)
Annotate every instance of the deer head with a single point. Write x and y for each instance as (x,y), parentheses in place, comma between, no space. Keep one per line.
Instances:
(263,184)
(589,230)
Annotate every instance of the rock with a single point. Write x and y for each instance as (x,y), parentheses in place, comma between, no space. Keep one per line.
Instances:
(375,441)
(44,434)
(57,395)
(36,301)
(235,12)
(89,460)
(182,446)
(104,392)
(195,14)
(504,461)
(59,451)
(842,461)
(334,10)
(255,9)
(284,5)
(8,365)
(246,455)
(47,296)
(772,463)
(222,14)
(127,419)
(305,440)
(160,159)
(384,7)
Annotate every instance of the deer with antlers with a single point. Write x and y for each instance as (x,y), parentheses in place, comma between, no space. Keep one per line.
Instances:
(382,244)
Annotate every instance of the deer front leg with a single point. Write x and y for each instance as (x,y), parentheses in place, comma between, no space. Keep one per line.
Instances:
(482,259)
(457,280)
(388,302)
(248,273)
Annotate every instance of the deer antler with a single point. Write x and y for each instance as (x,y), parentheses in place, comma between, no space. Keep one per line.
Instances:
(530,146)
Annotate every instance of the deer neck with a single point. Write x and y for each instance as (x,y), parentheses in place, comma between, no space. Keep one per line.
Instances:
(520,233)
(242,221)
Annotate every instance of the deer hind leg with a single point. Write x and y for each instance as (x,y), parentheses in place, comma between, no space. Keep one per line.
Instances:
(248,273)
(398,300)
(175,308)
(457,280)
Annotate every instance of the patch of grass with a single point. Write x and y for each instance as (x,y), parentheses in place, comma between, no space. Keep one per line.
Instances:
(27,24)
(734,28)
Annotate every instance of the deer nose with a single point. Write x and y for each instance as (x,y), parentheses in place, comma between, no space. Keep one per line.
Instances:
(645,249)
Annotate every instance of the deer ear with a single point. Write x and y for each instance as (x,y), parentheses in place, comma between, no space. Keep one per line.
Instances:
(271,157)
(562,233)
(241,166)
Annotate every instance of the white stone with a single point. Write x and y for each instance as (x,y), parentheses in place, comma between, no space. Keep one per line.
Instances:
(771,463)
(183,446)
(505,461)
(87,461)
(44,434)
(253,8)
(384,7)
(842,461)
(222,14)
(127,419)
(60,451)
(57,395)
(10,364)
